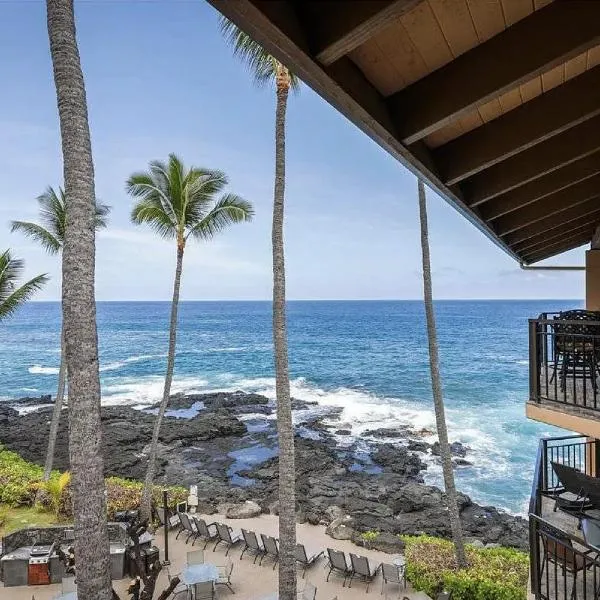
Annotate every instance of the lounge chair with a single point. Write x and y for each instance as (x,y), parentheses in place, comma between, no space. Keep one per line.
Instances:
(337,564)
(251,544)
(303,558)
(188,526)
(226,535)
(361,568)
(573,496)
(196,557)
(271,549)
(309,592)
(224,577)
(393,574)
(204,531)
(203,591)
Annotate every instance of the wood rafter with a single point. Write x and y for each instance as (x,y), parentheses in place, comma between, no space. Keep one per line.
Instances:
(558,248)
(558,233)
(527,125)
(555,220)
(340,27)
(541,41)
(560,150)
(560,179)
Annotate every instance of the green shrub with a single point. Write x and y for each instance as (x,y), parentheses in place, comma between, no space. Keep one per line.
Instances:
(369,536)
(21,482)
(492,574)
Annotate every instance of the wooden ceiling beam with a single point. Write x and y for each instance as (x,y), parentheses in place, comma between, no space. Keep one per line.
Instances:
(552,204)
(558,248)
(539,119)
(556,220)
(558,233)
(560,179)
(541,41)
(575,143)
(341,26)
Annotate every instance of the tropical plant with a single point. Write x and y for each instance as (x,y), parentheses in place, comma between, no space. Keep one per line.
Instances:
(266,69)
(436,386)
(92,551)
(50,234)
(13,295)
(180,204)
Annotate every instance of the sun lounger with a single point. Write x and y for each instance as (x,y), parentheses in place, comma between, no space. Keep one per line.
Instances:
(226,535)
(304,559)
(392,574)
(205,532)
(252,545)
(362,569)
(271,549)
(337,564)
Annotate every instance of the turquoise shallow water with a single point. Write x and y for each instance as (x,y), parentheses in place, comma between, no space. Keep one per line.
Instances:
(368,357)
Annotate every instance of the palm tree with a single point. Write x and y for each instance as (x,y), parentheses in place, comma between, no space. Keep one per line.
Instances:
(12,296)
(266,69)
(50,234)
(92,556)
(180,204)
(436,385)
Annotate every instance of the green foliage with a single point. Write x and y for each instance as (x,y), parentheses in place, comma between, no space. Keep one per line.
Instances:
(493,573)
(21,484)
(369,536)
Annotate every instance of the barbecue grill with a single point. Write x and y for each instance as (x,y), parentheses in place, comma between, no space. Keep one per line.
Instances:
(39,564)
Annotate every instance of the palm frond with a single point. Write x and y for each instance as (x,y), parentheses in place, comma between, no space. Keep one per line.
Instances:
(263,65)
(53,212)
(49,242)
(100,217)
(153,186)
(151,213)
(13,296)
(228,210)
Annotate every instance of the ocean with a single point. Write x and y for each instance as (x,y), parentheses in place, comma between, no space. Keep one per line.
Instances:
(369,357)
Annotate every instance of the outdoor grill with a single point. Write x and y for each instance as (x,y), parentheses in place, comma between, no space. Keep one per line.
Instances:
(39,565)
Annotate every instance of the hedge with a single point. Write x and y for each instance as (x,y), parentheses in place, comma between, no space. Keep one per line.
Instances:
(492,574)
(21,484)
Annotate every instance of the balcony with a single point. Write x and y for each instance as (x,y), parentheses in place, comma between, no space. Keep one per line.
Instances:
(564,538)
(564,369)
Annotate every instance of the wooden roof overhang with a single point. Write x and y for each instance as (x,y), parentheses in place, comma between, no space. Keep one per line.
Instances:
(494,103)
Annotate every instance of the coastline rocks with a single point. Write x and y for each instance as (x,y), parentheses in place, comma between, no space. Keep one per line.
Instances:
(456,449)
(213,441)
(246,510)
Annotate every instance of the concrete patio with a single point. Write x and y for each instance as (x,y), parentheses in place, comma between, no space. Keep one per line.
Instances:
(251,581)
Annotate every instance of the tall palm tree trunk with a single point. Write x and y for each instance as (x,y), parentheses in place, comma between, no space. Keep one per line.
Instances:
(146,505)
(285,427)
(436,385)
(58,403)
(92,558)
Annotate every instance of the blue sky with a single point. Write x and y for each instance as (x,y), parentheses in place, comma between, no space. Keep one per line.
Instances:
(160,79)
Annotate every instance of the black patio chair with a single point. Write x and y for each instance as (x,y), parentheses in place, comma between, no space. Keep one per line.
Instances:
(573,484)
(252,545)
(337,564)
(204,531)
(226,535)
(558,549)
(303,558)
(271,549)
(362,569)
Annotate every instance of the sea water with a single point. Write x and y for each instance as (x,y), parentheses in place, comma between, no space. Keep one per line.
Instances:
(368,357)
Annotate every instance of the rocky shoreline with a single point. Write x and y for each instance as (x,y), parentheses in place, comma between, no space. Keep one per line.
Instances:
(226,444)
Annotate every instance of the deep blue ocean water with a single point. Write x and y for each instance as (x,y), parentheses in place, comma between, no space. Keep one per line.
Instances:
(368,357)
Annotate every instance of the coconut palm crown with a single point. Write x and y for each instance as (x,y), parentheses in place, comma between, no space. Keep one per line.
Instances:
(13,295)
(50,233)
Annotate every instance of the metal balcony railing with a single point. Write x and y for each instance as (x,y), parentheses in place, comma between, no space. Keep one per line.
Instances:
(564,359)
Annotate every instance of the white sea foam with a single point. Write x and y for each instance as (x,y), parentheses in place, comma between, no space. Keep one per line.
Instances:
(39,370)
(114,366)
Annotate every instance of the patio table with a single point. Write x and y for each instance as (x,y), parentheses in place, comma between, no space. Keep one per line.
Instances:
(399,561)
(199,573)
